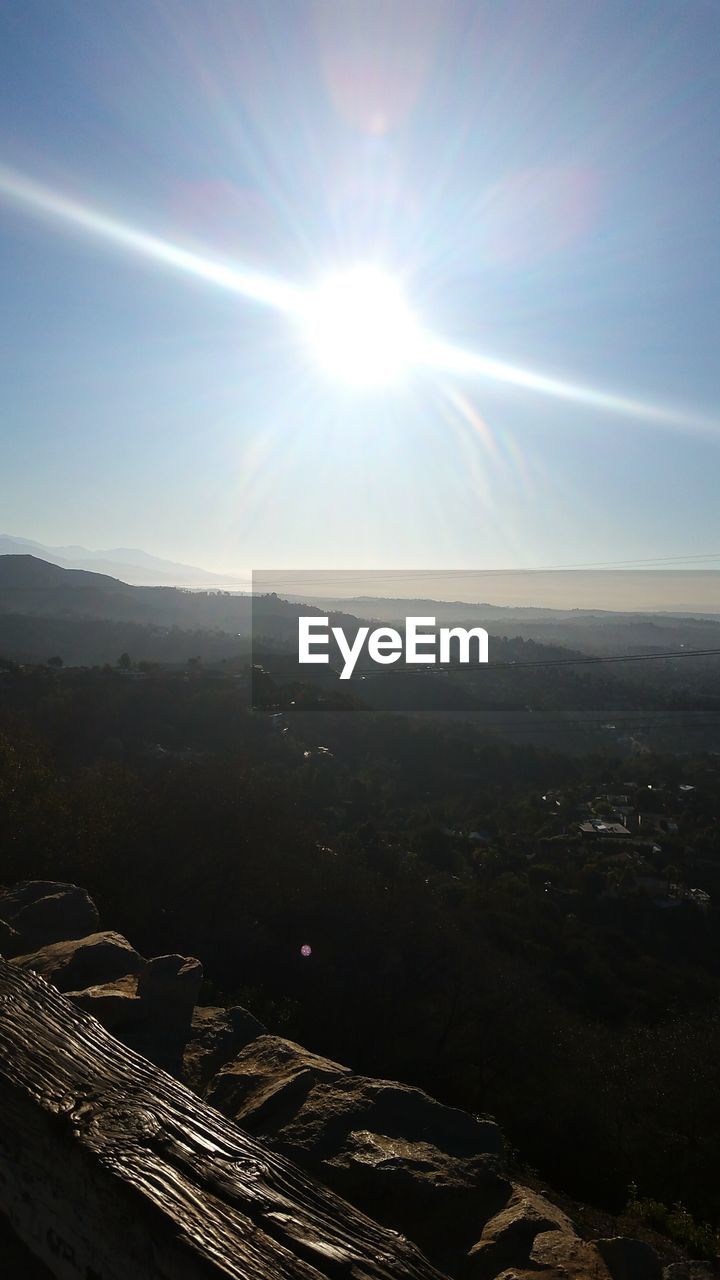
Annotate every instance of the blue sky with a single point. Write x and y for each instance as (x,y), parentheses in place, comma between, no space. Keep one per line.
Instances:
(543,176)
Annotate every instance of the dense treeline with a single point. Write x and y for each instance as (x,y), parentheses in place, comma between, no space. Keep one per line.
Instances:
(509,973)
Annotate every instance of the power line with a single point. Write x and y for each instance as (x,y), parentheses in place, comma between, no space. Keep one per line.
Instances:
(435,669)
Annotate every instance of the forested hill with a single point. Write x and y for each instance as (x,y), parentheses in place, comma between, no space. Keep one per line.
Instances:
(33,588)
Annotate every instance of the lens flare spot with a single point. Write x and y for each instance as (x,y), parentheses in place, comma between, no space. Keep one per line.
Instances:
(306,950)
(360,327)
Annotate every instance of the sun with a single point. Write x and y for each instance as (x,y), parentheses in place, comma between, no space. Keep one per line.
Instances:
(360,327)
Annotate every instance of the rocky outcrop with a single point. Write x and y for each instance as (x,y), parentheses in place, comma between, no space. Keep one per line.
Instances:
(426,1170)
(83,962)
(43,911)
(148,1004)
(335,1109)
(266,1083)
(216,1034)
(116,1005)
(531,1237)
(628,1259)
(110,1168)
(151,1010)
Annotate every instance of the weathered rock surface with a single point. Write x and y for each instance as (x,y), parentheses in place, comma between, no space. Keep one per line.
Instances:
(110,1168)
(267,1082)
(557,1255)
(422,1168)
(437,1199)
(216,1035)
(45,911)
(150,1011)
(509,1236)
(116,1005)
(83,962)
(532,1237)
(337,1107)
(628,1259)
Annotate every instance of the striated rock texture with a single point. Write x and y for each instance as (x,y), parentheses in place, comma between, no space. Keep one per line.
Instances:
(110,1168)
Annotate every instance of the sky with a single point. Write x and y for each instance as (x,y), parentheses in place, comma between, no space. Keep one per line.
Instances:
(541,177)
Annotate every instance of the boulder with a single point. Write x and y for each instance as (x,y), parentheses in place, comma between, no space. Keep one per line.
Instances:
(415,1165)
(116,1005)
(265,1084)
(170,986)
(339,1106)
(150,1011)
(508,1239)
(45,911)
(440,1201)
(628,1259)
(216,1034)
(83,962)
(558,1255)
(531,1239)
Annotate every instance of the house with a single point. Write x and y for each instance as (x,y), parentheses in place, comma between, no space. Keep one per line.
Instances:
(597,827)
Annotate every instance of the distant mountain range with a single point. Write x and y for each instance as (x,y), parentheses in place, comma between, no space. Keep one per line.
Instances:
(85,615)
(39,592)
(134,566)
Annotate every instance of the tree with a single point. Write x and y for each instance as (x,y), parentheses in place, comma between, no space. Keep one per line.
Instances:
(55,662)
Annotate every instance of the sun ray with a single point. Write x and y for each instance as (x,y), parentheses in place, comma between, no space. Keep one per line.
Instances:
(42,200)
(450,359)
(418,350)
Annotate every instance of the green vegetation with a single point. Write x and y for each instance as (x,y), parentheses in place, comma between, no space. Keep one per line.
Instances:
(676,1222)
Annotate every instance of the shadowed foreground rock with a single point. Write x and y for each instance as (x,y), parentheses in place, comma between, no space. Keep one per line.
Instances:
(150,1011)
(70,966)
(42,911)
(110,1168)
(428,1170)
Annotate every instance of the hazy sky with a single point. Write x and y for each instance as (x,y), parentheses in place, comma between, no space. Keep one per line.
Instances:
(543,175)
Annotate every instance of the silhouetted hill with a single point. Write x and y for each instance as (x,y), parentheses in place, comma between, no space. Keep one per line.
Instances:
(26,572)
(90,618)
(130,563)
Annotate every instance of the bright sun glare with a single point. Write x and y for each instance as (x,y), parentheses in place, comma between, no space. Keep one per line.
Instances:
(360,327)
